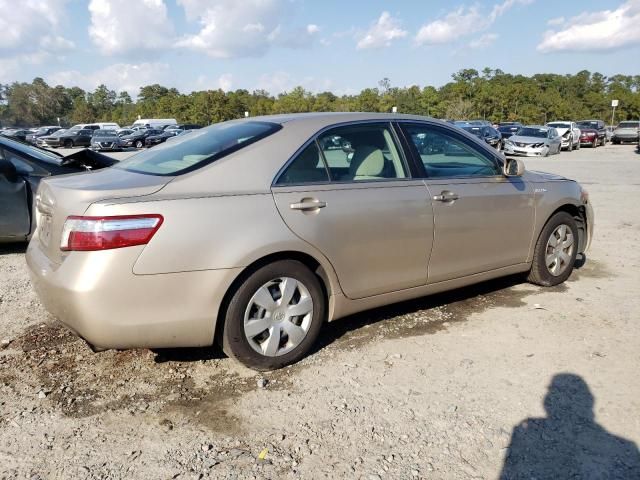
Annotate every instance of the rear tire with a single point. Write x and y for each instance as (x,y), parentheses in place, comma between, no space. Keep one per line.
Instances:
(252,348)
(555,251)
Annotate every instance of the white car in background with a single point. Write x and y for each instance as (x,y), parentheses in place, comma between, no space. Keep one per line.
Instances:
(569,133)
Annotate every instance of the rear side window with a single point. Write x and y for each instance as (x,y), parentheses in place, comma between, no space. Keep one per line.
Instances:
(362,153)
(307,167)
(198,149)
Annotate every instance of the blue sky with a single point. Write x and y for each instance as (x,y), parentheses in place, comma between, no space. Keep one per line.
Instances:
(342,46)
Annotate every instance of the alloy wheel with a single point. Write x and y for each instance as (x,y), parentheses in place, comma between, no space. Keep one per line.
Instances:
(278,316)
(559,251)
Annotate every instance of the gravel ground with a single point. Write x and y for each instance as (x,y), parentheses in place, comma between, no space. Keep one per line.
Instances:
(500,379)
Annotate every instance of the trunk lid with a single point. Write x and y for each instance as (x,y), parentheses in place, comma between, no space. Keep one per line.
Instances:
(61,196)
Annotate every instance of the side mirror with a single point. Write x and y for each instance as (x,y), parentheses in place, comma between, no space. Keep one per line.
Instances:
(8,170)
(513,167)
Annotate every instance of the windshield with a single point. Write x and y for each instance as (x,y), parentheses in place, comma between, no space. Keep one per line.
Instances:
(558,125)
(588,124)
(628,124)
(532,132)
(57,133)
(198,149)
(104,133)
(508,128)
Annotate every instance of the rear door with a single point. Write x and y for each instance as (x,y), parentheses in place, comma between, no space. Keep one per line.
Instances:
(349,194)
(483,220)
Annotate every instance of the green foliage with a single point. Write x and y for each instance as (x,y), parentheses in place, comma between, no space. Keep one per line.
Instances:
(491,94)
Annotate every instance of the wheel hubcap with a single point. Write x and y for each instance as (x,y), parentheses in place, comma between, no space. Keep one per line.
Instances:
(278,316)
(559,250)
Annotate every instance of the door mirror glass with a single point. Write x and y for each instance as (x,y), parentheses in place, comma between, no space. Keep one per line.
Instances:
(513,167)
(8,170)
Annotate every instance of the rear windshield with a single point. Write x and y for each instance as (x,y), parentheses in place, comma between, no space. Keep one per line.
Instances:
(202,147)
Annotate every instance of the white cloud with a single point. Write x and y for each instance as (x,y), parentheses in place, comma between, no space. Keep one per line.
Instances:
(483,41)
(463,21)
(129,26)
(247,28)
(556,21)
(225,82)
(279,82)
(30,35)
(24,23)
(597,31)
(118,76)
(381,33)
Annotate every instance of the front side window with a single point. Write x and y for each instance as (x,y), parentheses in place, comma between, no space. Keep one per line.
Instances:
(361,153)
(444,154)
(190,152)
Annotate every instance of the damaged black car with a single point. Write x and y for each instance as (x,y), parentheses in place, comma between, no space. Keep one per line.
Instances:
(21,169)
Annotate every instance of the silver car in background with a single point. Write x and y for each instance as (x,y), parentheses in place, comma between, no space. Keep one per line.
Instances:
(628,131)
(105,140)
(256,232)
(533,141)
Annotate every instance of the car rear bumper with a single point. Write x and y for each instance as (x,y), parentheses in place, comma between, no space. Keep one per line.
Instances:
(98,297)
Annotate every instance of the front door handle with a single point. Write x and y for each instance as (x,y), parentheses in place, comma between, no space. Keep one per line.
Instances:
(446,196)
(308,204)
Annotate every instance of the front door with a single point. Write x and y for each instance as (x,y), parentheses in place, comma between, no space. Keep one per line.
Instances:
(348,194)
(482,219)
(14,206)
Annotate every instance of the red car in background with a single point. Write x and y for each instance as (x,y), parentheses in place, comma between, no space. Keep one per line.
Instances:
(589,136)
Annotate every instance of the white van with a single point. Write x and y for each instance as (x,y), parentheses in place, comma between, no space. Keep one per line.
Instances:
(96,126)
(154,122)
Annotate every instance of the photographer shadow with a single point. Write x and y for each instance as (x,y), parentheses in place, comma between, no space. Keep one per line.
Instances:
(568,443)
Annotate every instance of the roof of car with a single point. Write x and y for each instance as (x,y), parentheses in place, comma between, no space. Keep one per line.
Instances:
(320,120)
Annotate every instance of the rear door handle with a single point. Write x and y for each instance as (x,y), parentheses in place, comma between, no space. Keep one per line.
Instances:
(446,196)
(307,204)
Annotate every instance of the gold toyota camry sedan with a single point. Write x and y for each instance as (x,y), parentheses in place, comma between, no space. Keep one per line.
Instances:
(255,232)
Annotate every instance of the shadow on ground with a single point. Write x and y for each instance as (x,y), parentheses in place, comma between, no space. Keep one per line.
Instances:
(421,316)
(12,248)
(568,443)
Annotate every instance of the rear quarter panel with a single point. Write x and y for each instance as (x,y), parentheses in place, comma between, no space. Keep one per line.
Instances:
(215,232)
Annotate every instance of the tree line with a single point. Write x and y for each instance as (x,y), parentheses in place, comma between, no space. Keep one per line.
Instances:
(490,94)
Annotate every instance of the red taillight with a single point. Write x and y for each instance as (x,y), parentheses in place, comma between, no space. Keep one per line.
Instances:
(103,233)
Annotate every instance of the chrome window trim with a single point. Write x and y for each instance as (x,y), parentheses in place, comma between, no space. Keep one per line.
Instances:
(314,138)
(484,148)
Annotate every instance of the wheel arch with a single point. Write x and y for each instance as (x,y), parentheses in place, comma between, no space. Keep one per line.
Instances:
(580,216)
(329,285)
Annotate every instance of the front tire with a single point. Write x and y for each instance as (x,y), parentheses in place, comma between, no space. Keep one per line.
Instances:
(274,317)
(555,251)
(139,144)
(68,144)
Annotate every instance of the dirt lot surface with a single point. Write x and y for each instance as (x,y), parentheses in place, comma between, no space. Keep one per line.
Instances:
(501,377)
